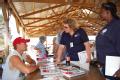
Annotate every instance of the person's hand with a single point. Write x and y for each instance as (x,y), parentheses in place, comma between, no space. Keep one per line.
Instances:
(58,61)
(117,73)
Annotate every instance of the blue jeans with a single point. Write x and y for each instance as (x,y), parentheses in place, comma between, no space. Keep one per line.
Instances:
(108,77)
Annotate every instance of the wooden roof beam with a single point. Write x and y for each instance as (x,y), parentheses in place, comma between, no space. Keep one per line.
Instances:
(84,5)
(43,24)
(49,30)
(31,31)
(48,1)
(1,2)
(41,1)
(4,10)
(37,21)
(15,12)
(31,18)
(42,10)
(50,17)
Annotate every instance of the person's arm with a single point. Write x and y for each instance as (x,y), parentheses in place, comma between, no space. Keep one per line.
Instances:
(30,60)
(18,64)
(88,51)
(55,48)
(85,40)
(59,53)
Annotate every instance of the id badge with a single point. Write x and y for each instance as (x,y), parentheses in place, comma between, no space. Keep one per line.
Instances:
(71,44)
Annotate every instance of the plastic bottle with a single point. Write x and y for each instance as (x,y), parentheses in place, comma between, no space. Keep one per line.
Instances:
(67,60)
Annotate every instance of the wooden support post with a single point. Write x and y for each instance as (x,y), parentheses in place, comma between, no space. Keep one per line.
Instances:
(6,14)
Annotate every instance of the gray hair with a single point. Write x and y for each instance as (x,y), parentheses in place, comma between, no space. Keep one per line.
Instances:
(42,39)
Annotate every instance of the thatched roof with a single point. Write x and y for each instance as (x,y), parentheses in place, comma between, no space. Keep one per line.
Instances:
(44,17)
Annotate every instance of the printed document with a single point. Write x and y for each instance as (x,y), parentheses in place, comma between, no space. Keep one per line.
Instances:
(112,65)
(82,58)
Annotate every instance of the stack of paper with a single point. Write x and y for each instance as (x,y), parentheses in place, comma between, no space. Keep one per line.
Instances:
(112,65)
(49,70)
(72,72)
(82,59)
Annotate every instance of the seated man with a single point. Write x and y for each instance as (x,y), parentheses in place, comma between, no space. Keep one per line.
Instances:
(15,67)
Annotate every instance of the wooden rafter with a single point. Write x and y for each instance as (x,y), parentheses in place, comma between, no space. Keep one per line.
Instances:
(42,1)
(55,13)
(46,25)
(39,28)
(66,11)
(48,30)
(41,10)
(48,1)
(83,5)
(42,24)
(31,18)
(51,22)
(49,17)
(53,10)
(36,31)
(95,10)
(15,12)
(1,2)
(4,10)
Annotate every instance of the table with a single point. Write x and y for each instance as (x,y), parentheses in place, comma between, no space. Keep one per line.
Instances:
(93,74)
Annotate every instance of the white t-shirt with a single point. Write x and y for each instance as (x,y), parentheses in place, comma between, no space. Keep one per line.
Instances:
(9,72)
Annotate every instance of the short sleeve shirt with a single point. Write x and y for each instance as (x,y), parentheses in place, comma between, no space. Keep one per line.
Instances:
(41,47)
(108,41)
(75,43)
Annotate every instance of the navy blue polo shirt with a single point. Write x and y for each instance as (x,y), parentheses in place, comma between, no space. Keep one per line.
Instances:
(75,43)
(108,41)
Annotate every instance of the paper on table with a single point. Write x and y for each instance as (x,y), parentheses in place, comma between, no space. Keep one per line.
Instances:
(72,72)
(83,57)
(112,65)
(54,78)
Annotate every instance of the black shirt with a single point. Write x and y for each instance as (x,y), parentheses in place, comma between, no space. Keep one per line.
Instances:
(75,43)
(108,41)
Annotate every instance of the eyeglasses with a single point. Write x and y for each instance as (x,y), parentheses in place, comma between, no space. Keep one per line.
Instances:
(66,27)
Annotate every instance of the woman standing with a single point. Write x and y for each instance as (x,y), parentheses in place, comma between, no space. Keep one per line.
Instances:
(108,39)
(75,40)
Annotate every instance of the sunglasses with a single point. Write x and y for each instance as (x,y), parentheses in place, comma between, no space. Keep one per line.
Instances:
(66,27)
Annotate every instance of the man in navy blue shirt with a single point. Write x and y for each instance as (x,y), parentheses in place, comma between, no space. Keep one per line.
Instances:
(74,40)
(108,39)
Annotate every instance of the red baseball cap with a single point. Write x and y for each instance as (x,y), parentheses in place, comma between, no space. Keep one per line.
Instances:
(19,40)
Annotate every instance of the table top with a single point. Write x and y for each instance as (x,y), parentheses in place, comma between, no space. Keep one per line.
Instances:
(93,74)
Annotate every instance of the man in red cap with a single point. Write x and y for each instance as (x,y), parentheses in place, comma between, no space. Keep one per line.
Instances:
(15,68)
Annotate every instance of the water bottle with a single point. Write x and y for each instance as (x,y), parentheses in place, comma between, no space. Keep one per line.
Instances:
(67,60)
